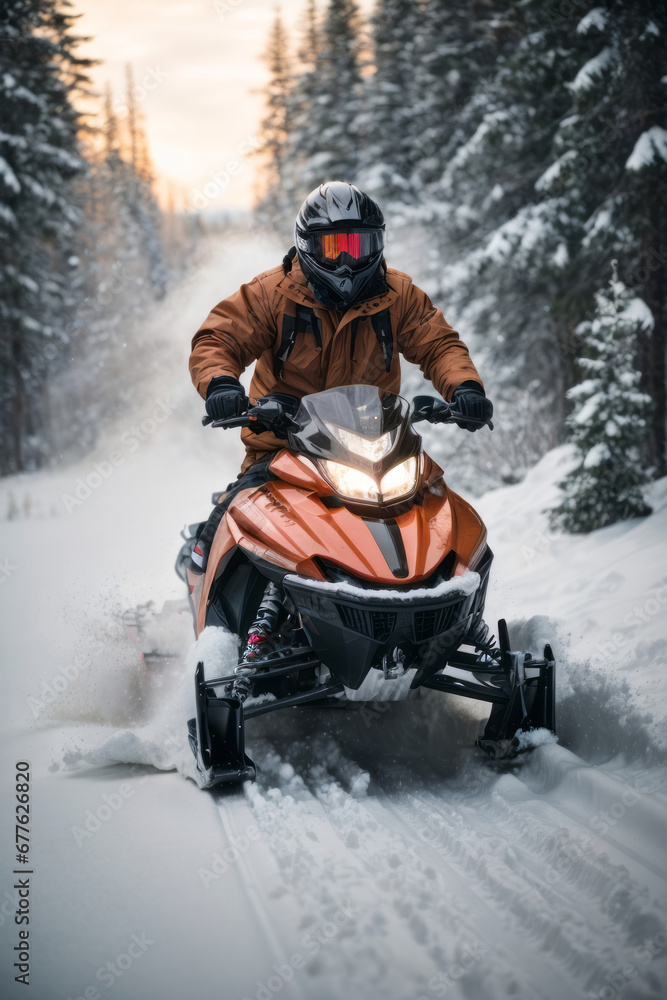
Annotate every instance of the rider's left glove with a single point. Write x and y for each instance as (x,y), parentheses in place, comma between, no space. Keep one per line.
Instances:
(225,398)
(470,401)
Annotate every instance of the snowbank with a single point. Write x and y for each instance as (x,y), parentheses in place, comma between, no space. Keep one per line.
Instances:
(600,599)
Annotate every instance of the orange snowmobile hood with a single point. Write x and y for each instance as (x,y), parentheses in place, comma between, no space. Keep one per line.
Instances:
(285,522)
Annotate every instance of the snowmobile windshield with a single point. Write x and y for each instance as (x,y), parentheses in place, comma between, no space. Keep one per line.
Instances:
(362,440)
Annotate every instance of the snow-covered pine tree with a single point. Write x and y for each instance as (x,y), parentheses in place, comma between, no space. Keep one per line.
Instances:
(394,101)
(329,138)
(608,424)
(608,182)
(304,88)
(144,224)
(40,73)
(275,126)
(504,234)
(124,267)
(457,51)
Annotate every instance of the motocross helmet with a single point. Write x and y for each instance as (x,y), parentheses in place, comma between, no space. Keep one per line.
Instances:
(339,239)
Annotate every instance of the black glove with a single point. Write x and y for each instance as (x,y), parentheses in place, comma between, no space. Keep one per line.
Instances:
(429,408)
(225,398)
(470,401)
(274,413)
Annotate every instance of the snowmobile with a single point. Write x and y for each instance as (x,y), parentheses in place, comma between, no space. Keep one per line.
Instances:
(354,574)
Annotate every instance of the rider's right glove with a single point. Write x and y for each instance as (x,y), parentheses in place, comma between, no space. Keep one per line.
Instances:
(225,398)
(470,401)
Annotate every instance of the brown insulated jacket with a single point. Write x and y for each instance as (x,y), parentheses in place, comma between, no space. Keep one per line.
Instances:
(301,347)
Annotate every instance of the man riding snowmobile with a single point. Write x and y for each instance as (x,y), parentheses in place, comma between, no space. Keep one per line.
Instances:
(333,314)
(342,563)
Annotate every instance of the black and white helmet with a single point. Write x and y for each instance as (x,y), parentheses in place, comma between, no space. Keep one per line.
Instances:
(339,238)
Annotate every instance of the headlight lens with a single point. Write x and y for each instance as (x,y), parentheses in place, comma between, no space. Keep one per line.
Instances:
(351,482)
(400,480)
(372,449)
(356,485)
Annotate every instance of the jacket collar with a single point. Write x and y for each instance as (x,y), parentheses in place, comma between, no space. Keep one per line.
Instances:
(294,285)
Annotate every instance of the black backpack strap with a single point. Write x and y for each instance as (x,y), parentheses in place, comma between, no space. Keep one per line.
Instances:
(304,321)
(307,321)
(287,339)
(287,260)
(382,325)
(353,334)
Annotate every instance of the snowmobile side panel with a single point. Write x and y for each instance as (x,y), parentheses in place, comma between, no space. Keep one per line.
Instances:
(299,471)
(235,594)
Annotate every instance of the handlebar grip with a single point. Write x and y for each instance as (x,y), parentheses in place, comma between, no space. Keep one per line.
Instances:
(443,413)
(243,421)
(454,415)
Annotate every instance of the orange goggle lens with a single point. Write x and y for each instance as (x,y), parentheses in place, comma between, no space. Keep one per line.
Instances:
(329,246)
(334,244)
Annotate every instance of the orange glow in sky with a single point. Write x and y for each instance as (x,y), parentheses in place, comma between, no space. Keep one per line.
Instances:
(199,77)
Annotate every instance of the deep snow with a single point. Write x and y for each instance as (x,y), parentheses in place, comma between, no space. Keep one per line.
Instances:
(377,855)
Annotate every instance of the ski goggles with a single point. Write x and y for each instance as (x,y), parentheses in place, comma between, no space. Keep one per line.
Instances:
(329,246)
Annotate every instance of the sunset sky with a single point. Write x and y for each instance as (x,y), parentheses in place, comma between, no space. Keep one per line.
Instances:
(199,75)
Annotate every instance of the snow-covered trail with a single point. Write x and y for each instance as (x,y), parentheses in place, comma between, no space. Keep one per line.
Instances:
(489,883)
(377,855)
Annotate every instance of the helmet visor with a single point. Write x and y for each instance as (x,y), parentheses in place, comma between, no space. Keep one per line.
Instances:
(328,247)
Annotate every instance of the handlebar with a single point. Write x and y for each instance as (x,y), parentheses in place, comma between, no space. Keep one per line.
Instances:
(242,421)
(270,412)
(437,411)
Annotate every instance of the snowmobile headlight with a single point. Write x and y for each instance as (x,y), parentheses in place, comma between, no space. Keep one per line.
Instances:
(351,482)
(372,449)
(398,482)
